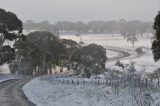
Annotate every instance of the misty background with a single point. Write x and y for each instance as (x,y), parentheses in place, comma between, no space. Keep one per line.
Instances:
(82,10)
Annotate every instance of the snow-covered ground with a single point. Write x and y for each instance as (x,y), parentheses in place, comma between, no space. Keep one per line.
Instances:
(4,69)
(4,73)
(109,40)
(47,92)
(144,63)
(111,54)
(5,77)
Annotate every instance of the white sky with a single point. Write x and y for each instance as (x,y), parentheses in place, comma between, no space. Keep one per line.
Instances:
(82,10)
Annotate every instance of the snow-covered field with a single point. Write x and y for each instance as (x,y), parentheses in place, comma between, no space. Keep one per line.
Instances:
(5,77)
(4,73)
(109,40)
(46,92)
(4,69)
(144,63)
(111,54)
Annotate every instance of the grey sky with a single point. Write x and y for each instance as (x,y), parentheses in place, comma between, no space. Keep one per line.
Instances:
(82,10)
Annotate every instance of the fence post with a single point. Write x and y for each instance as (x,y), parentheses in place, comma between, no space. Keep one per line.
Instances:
(146,82)
(77,82)
(106,82)
(83,82)
(139,83)
(158,81)
(110,81)
(67,81)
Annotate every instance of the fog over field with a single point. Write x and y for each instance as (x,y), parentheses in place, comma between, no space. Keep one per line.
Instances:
(82,10)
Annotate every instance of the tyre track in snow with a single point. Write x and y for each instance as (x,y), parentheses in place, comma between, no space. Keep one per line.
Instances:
(123,54)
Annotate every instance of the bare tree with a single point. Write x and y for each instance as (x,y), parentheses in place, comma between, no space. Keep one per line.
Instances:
(132,39)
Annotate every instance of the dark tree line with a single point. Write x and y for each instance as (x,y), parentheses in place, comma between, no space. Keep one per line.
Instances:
(38,53)
(97,27)
(156,42)
(42,51)
(42,26)
(10,29)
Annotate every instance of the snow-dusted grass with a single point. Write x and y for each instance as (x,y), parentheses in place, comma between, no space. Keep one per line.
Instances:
(111,54)
(46,92)
(5,77)
(143,63)
(109,40)
(5,73)
(4,69)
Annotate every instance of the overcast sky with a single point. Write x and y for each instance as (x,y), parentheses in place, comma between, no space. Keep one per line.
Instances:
(82,10)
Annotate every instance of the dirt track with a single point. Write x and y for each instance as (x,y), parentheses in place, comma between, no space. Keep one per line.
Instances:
(11,93)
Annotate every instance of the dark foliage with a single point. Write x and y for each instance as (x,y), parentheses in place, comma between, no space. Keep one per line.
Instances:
(41,50)
(10,29)
(90,59)
(156,42)
(7,54)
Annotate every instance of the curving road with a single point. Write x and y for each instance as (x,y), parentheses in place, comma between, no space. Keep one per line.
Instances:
(123,55)
(11,93)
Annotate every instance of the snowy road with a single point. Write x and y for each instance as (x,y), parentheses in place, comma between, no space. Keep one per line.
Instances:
(11,93)
(122,54)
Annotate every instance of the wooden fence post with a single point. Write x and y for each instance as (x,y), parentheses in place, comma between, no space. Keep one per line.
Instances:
(77,82)
(67,81)
(106,82)
(110,81)
(139,83)
(83,82)
(146,82)
(98,81)
(158,81)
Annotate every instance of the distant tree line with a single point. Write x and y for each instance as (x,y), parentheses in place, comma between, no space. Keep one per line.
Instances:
(156,42)
(93,27)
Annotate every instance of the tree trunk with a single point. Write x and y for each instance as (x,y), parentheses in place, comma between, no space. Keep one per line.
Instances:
(50,69)
(44,66)
(2,40)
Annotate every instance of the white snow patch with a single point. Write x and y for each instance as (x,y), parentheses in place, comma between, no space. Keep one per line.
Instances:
(5,77)
(49,93)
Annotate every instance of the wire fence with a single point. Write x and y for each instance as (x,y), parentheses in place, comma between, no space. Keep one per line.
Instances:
(139,83)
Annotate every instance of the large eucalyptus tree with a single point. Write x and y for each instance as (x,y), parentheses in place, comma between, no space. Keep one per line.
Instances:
(10,29)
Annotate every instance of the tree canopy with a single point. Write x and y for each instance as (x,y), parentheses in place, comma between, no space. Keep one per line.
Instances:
(41,49)
(156,42)
(90,59)
(10,29)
